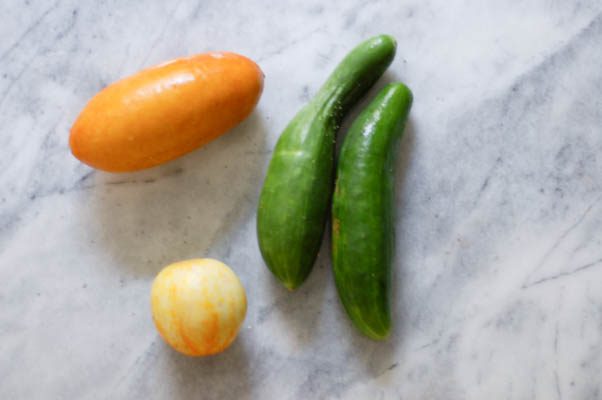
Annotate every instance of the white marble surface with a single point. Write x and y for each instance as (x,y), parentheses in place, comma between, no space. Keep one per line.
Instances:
(498,270)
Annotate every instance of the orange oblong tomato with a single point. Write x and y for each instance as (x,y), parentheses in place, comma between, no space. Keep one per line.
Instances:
(166,111)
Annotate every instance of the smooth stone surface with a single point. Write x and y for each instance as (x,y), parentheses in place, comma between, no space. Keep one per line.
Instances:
(499,254)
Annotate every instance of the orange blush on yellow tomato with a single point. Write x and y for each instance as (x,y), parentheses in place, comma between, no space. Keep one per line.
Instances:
(198,306)
(166,111)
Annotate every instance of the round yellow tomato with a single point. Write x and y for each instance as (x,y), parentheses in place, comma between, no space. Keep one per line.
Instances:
(198,306)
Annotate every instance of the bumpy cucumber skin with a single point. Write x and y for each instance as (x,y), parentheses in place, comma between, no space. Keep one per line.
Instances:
(362,211)
(294,202)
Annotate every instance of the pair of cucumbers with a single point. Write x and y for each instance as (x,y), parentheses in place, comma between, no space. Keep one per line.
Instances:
(297,192)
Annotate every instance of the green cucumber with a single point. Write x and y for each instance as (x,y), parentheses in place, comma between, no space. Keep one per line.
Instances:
(362,211)
(294,201)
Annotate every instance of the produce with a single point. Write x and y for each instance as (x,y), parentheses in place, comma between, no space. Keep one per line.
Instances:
(198,306)
(294,201)
(362,211)
(166,111)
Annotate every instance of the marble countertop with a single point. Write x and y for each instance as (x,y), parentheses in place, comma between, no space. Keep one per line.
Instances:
(498,270)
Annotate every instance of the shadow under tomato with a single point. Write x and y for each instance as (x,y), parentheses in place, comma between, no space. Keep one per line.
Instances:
(222,376)
(148,219)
